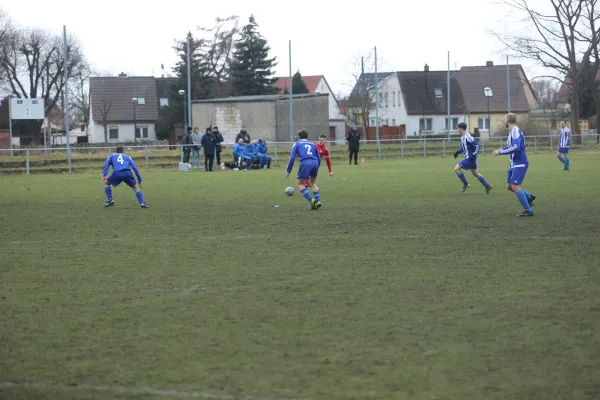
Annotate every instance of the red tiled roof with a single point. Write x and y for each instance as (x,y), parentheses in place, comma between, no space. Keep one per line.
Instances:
(311,82)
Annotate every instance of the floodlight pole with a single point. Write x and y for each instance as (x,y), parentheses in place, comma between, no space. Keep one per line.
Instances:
(10,125)
(66,94)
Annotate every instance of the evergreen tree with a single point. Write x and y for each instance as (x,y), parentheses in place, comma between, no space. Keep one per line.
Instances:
(298,85)
(251,67)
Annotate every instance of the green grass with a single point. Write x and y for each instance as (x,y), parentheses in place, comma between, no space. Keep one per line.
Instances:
(399,287)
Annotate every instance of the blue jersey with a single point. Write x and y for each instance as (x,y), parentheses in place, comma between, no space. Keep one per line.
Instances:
(306,151)
(468,146)
(515,147)
(565,138)
(121,162)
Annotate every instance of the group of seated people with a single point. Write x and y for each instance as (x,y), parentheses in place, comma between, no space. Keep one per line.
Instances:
(250,155)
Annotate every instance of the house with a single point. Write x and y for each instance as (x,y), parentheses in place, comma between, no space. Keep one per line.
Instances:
(317,84)
(123,108)
(265,117)
(473,80)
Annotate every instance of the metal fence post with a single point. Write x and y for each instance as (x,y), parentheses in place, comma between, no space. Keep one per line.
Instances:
(444,151)
(69,158)
(551,142)
(146,157)
(535,144)
(181,153)
(482,146)
(582,141)
(424,147)
(27,161)
(402,149)
(275,149)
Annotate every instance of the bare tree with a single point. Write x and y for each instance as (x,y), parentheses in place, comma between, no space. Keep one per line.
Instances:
(105,108)
(32,61)
(562,41)
(6,31)
(79,96)
(545,90)
(216,50)
(359,105)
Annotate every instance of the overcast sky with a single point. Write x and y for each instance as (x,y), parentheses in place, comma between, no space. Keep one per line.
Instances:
(135,36)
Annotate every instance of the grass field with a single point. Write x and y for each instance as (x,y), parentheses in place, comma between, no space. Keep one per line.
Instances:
(399,287)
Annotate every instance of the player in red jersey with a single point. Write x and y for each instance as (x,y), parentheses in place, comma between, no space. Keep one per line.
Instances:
(323,152)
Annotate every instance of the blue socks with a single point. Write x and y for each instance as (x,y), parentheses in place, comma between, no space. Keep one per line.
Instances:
(306,194)
(108,192)
(522,196)
(317,196)
(483,181)
(461,176)
(562,160)
(140,196)
(567,161)
(527,195)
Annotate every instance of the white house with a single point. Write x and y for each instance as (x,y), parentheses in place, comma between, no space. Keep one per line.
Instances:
(418,100)
(318,84)
(127,106)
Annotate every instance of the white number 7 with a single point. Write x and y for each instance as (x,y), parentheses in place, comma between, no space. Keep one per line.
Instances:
(120,159)
(308,149)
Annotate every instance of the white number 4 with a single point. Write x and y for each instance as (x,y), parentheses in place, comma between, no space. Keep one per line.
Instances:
(120,159)
(308,149)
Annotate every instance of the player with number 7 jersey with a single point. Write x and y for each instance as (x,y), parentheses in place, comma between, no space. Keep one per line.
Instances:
(122,165)
(310,161)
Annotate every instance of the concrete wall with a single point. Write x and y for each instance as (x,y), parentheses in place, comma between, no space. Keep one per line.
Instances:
(310,113)
(258,117)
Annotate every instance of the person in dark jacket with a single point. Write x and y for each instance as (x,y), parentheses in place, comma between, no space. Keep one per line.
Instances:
(353,138)
(209,142)
(243,135)
(188,142)
(219,140)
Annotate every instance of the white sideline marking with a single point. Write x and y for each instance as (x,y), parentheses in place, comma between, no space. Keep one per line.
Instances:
(257,237)
(133,391)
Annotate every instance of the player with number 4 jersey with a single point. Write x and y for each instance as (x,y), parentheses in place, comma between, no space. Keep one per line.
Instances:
(310,161)
(122,165)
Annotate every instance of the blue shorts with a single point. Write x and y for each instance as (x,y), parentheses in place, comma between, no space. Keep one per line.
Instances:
(308,169)
(468,164)
(563,150)
(121,176)
(516,175)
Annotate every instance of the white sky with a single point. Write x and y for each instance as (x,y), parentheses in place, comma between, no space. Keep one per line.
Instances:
(135,36)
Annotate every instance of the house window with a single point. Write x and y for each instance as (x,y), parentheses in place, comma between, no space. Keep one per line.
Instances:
(164,102)
(393,121)
(438,93)
(453,126)
(380,100)
(386,99)
(141,100)
(141,131)
(399,99)
(483,124)
(372,122)
(393,99)
(425,124)
(113,133)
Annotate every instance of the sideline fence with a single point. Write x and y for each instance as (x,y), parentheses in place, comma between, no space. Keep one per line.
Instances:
(154,156)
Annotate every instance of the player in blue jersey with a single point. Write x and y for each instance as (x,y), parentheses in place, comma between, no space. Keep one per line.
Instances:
(122,165)
(470,148)
(310,161)
(515,148)
(563,145)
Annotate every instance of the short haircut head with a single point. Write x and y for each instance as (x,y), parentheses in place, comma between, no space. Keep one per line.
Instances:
(323,137)
(511,118)
(462,126)
(120,149)
(302,134)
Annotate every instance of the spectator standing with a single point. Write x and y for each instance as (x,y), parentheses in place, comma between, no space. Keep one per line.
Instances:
(210,146)
(243,135)
(353,138)
(187,142)
(219,140)
(196,138)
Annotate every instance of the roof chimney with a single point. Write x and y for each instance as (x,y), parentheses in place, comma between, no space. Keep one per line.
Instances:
(122,75)
(489,64)
(426,68)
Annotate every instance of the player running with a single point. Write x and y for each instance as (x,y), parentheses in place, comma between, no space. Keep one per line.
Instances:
(470,148)
(563,145)
(122,165)
(323,152)
(310,161)
(515,148)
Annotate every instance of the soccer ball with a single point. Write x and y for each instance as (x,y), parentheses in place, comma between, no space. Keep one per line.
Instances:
(289,191)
